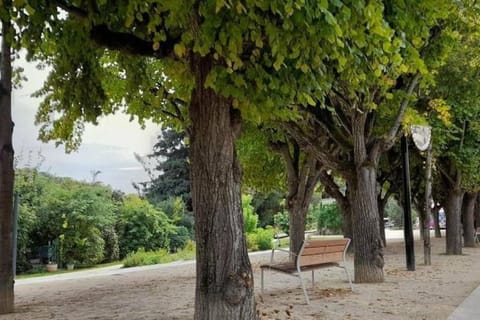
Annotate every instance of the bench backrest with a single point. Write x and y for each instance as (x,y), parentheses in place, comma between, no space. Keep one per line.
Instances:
(315,252)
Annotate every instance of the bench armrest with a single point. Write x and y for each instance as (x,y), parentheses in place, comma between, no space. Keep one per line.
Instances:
(276,247)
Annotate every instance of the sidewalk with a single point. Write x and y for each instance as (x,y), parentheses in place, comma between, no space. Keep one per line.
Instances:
(469,309)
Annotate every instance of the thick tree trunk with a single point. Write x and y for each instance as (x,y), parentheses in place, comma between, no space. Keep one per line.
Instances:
(297,213)
(454,226)
(6,173)
(368,242)
(468,208)
(224,286)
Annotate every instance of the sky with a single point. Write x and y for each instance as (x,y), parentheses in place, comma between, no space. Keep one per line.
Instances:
(108,147)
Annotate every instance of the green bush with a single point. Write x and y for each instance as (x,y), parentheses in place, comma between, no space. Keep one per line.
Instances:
(261,239)
(143,258)
(329,219)
(249,217)
(143,226)
(112,249)
(282,221)
(179,238)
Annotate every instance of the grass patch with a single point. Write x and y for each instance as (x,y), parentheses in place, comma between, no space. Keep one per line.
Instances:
(42,272)
(144,258)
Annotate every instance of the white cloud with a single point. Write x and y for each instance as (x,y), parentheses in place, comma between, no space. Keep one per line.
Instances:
(108,147)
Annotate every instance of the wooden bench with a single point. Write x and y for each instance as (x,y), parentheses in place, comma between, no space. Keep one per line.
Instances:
(314,254)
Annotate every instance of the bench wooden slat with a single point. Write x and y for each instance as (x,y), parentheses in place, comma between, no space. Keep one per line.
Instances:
(319,250)
(320,258)
(323,243)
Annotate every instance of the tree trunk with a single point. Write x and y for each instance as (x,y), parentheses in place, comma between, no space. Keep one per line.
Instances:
(436,221)
(302,182)
(381,215)
(421,221)
(297,213)
(468,208)
(454,225)
(477,212)
(347,222)
(6,173)
(224,285)
(368,242)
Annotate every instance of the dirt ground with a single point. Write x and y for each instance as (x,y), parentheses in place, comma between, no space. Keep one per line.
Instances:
(167,292)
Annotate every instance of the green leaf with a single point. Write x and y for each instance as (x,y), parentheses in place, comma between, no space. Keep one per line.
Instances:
(309,99)
(179,49)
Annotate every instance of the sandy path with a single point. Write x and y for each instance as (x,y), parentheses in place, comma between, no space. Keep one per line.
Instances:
(168,292)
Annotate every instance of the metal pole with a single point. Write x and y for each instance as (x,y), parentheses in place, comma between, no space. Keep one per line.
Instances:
(407,222)
(15,233)
(428,209)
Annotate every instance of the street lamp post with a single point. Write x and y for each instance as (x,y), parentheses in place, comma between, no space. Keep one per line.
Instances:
(407,208)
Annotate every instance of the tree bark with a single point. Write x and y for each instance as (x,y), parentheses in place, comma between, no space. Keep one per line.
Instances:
(224,286)
(6,172)
(301,187)
(453,220)
(382,203)
(368,260)
(468,211)
(436,221)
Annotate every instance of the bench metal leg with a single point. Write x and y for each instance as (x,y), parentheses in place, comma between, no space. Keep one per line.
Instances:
(262,280)
(303,287)
(313,279)
(348,277)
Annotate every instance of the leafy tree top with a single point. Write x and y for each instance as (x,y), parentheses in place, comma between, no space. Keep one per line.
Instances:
(263,55)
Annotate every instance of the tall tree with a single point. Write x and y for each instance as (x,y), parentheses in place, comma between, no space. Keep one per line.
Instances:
(303,174)
(456,126)
(227,61)
(362,114)
(6,161)
(170,176)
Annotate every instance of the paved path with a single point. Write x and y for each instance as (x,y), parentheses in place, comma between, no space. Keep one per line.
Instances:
(469,309)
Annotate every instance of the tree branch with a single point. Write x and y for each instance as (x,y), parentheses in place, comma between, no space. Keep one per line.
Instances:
(130,44)
(75,11)
(309,145)
(388,141)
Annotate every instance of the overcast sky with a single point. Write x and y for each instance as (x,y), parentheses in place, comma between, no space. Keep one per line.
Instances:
(108,147)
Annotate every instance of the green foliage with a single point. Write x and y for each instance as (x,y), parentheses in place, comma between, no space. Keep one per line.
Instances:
(329,219)
(142,226)
(263,170)
(266,206)
(249,217)
(260,239)
(112,249)
(394,213)
(142,257)
(281,221)
(170,176)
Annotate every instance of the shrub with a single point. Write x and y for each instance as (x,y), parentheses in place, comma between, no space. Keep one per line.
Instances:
(249,217)
(179,238)
(264,238)
(329,219)
(261,239)
(142,257)
(112,249)
(141,225)
(281,221)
